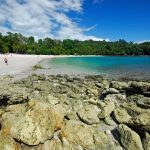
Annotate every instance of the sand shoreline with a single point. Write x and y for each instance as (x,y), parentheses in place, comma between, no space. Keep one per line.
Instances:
(19,63)
(20,66)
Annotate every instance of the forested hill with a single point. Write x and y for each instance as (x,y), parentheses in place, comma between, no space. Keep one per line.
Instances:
(17,43)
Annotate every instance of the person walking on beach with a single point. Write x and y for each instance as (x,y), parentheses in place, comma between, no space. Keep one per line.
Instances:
(6,61)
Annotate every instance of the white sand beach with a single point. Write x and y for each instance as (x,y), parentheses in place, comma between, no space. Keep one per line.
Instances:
(21,65)
(17,64)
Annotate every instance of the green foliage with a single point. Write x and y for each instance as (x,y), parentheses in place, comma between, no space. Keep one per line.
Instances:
(36,67)
(17,43)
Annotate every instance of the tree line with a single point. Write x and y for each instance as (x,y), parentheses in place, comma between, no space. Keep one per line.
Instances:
(17,43)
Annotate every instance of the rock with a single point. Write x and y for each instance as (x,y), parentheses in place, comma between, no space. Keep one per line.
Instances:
(26,147)
(144,103)
(134,116)
(121,115)
(7,143)
(103,141)
(37,104)
(75,104)
(13,114)
(141,122)
(59,145)
(27,82)
(46,88)
(119,85)
(38,124)
(141,87)
(17,109)
(140,100)
(99,85)
(132,109)
(72,116)
(68,146)
(1,112)
(36,77)
(77,133)
(10,94)
(109,121)
(108,132)
(116,98)
(129,138)
(93,92)
(54,144)
(74,95)
(35,93)
(89,114)
(101,104)
(64,113)
(105,83)
(107,110)
(126,111)
(146,141)
(91,101)
(52,100)
(66,90)
(110,91)
(51,145)
(7,79)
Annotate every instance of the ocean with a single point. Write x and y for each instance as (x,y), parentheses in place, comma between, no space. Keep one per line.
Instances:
(113,66)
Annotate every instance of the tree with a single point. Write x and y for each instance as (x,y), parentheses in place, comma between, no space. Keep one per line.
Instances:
(17,43)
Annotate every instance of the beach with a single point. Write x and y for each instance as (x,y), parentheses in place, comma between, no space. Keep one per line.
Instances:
(44,109)
(74,75)
(20,64)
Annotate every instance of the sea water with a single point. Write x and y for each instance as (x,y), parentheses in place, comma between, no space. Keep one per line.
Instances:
(121,66)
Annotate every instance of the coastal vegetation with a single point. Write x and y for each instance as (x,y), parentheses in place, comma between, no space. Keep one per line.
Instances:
(36,67)
(18,43)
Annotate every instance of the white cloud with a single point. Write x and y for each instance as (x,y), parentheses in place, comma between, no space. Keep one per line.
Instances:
(139,42)
(43,18)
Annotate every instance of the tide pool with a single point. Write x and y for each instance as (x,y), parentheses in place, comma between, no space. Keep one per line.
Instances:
(116,66)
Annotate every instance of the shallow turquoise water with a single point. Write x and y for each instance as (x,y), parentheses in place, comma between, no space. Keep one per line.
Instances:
(108,65)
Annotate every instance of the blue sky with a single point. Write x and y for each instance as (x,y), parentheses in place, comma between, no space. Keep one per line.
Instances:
(127,19)
(77,19)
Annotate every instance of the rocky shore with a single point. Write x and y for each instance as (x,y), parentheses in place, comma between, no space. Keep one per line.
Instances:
(69,113)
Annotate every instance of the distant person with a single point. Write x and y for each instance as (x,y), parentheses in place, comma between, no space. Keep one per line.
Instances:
(6,61)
